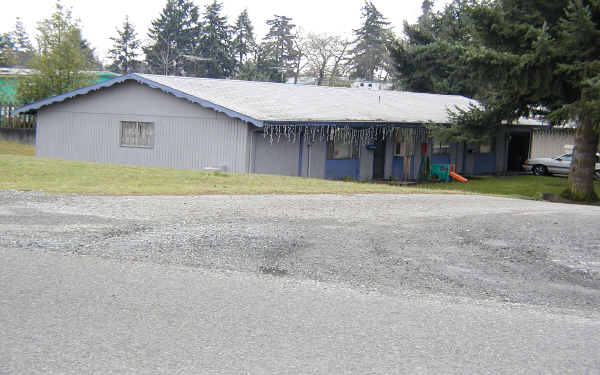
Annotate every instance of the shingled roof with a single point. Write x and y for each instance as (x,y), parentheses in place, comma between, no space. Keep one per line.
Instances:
(265,102)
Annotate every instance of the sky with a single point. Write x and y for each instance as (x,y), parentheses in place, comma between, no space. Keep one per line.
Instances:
(100,19)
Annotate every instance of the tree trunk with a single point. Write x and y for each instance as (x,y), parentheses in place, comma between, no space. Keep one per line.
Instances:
(581,176)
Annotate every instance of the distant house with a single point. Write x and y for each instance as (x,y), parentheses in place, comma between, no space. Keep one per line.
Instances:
(10,76)
(371,85)
(258,127)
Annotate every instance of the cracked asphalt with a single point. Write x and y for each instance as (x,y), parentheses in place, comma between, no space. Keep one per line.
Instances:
(523,275)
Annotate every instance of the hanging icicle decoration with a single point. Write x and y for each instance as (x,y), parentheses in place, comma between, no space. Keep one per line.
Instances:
(346,134)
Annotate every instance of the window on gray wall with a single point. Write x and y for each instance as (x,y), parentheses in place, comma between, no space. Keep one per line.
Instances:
(341,150)
(137,134)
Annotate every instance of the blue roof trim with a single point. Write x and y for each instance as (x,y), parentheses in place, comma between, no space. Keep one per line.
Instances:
(134,77)
(361,124)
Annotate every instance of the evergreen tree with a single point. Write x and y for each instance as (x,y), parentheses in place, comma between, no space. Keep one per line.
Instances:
(61,61)
(125,49)
(15,46)
(6,50)
(173,35)
(543,58)
(370,50)
(249,71)
(215,43)
(528,58)
(20,38)
(277,53)
(93,60)
(244,44)
(426,60)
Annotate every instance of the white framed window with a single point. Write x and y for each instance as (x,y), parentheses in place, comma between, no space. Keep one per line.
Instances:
(137,134)
(342,150)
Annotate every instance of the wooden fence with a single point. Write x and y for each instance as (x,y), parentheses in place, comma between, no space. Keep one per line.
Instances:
(7,120)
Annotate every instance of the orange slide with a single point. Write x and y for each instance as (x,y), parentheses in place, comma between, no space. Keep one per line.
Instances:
(455,175)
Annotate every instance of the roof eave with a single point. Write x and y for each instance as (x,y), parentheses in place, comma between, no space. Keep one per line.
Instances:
(34,107)
(357,123)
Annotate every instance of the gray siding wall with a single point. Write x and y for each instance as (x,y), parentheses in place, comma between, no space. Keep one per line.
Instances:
(185,135)
(279,157)
(282,157)
(550,143)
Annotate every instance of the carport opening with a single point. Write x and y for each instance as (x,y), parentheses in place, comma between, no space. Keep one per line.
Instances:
(518,150)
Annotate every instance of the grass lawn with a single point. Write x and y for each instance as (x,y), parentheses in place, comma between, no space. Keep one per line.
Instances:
(20,171)
(528,187)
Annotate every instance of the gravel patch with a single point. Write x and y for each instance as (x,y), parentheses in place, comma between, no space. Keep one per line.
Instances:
(472,246)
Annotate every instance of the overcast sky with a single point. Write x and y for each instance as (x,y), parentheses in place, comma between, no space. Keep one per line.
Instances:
(99,19)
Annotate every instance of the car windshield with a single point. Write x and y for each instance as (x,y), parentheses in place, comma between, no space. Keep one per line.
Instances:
(566,157)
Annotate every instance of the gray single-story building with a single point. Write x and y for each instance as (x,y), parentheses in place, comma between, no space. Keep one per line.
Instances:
(258,127)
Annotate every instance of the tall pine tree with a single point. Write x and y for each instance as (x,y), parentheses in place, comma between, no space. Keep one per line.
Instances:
(243,41)
(20,40)
(215,43)
(7,57)
(15,47)
(277,55)
(125,49)
(426,60)
(370,55)
(173,35)
(543,58)
(527,58)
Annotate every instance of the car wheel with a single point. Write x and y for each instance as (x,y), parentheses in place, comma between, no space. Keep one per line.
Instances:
(597,174)
(539,170)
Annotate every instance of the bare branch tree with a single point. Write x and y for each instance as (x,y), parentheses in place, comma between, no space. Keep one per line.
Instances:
(326,57)
(341,60)
(300,50)
(319,54)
